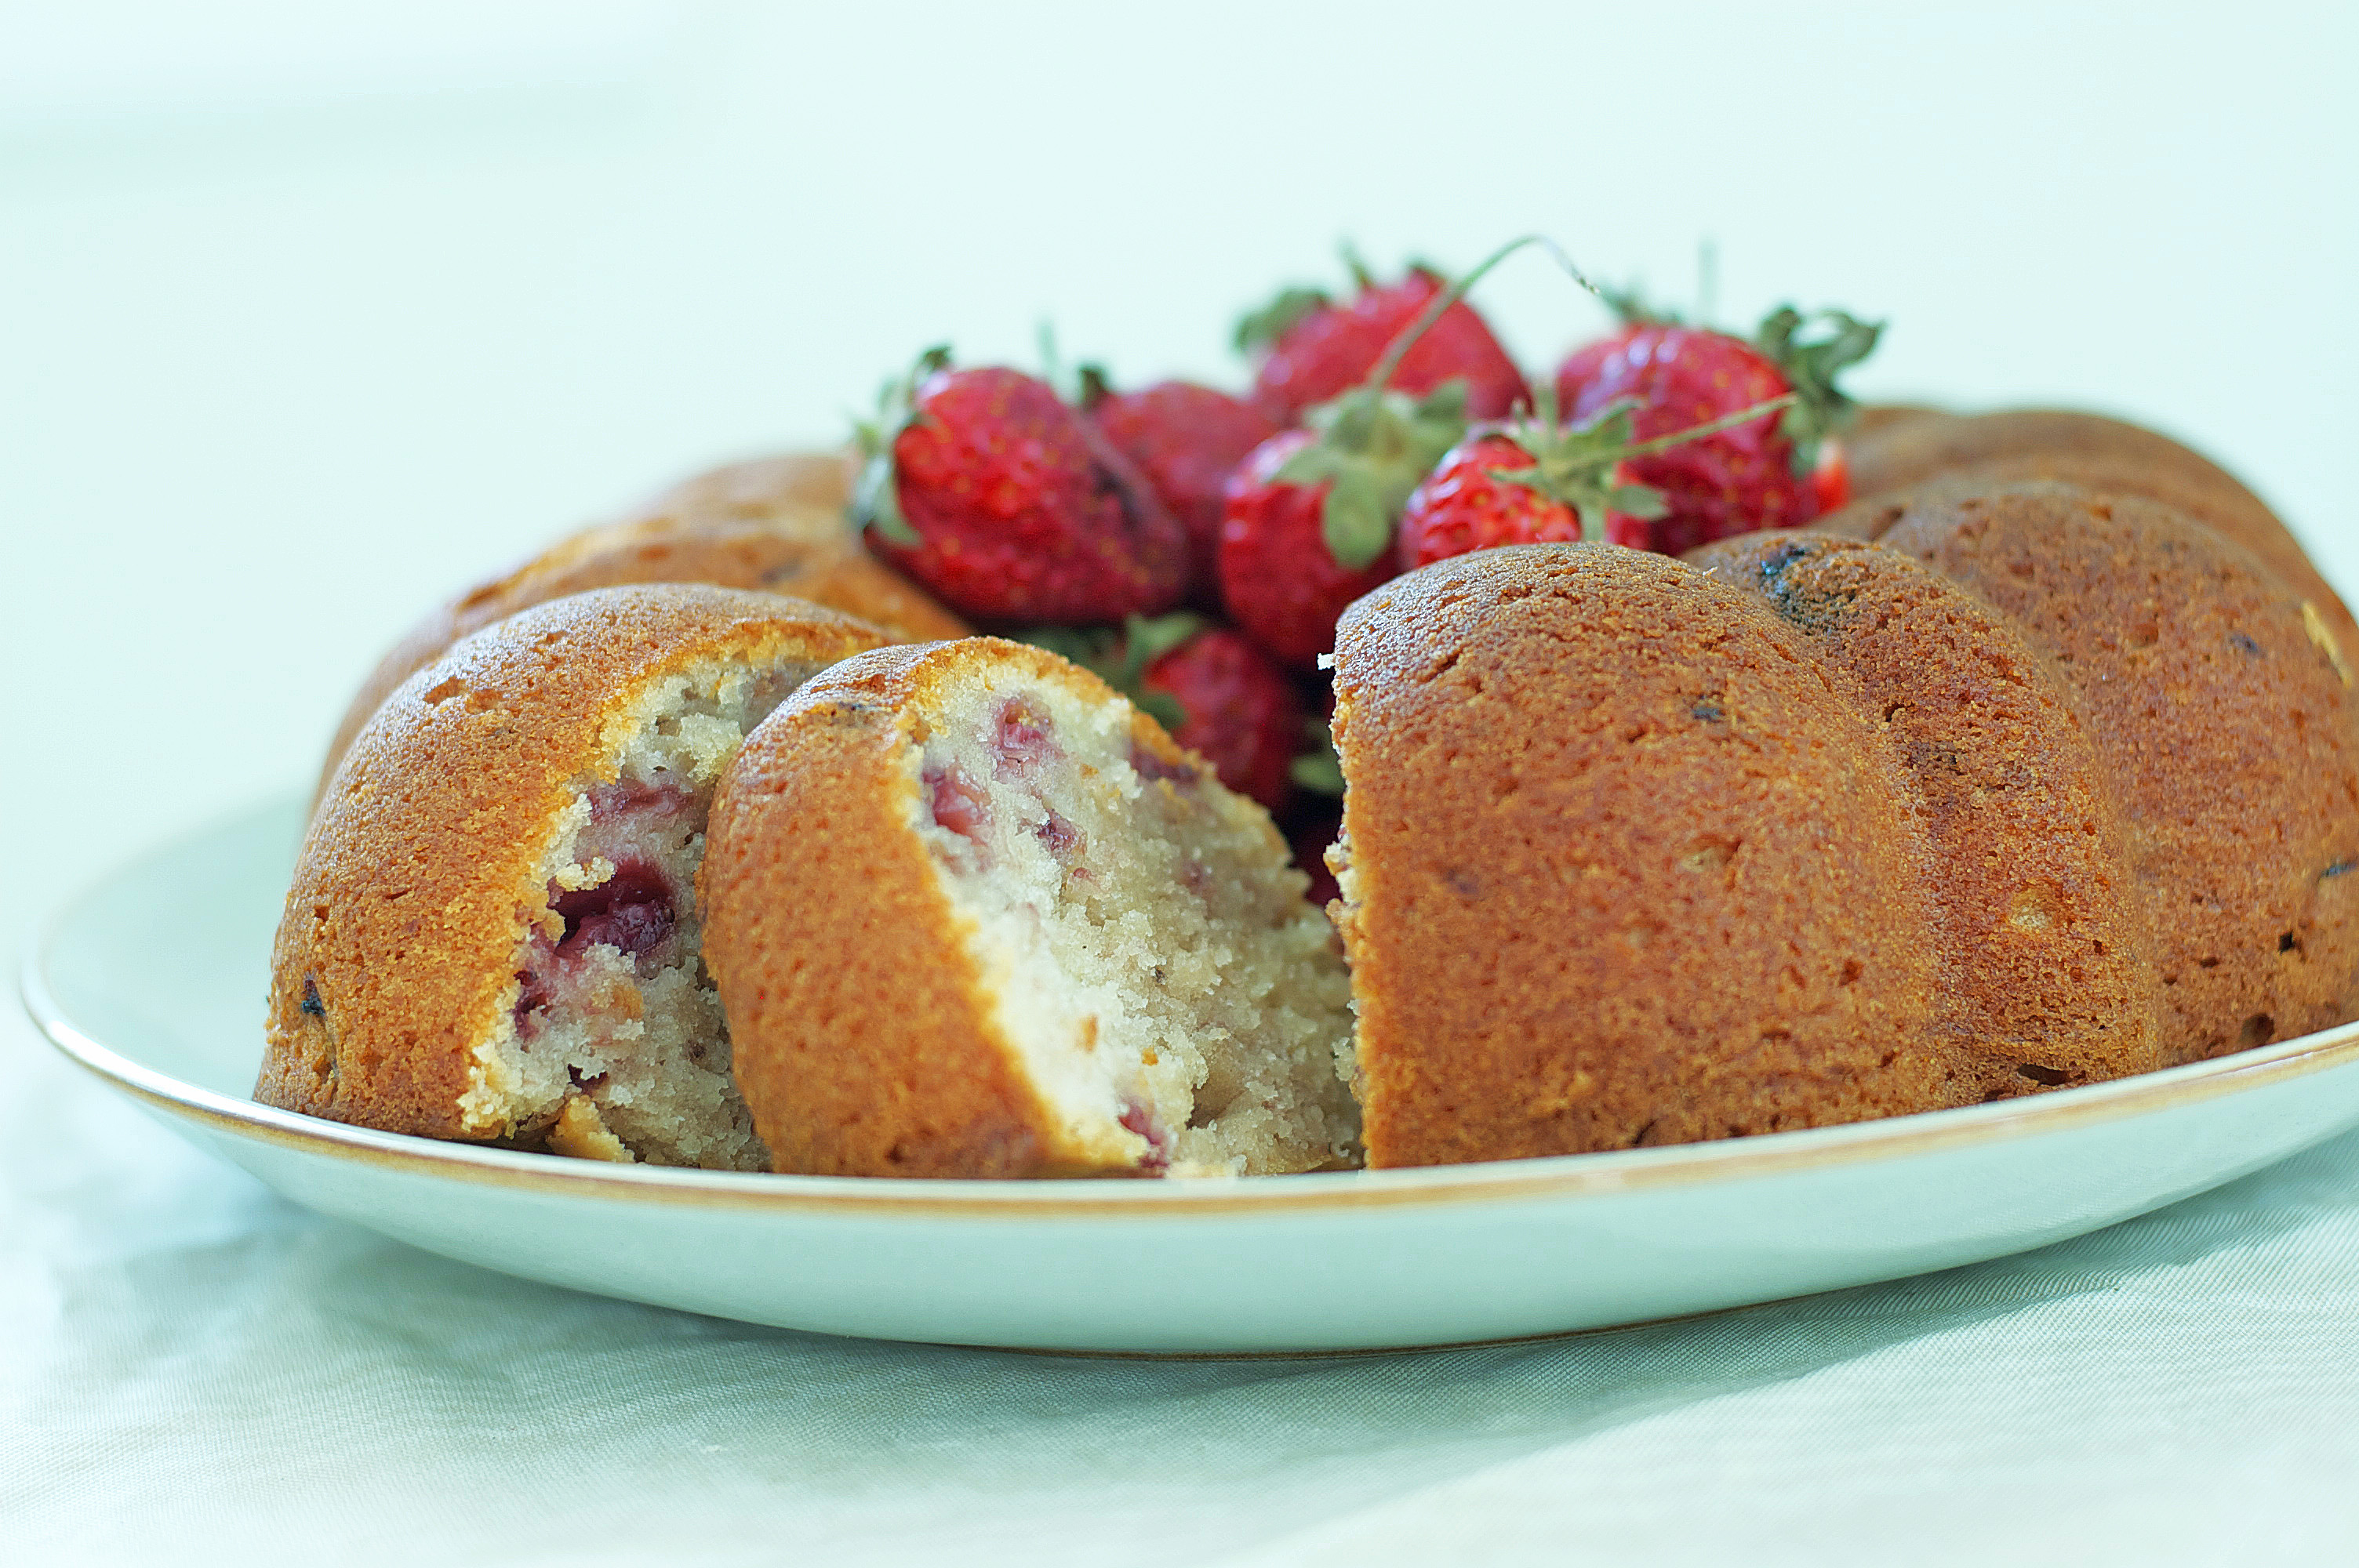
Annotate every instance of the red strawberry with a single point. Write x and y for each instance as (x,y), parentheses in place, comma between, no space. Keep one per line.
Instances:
(985,487)
(1759,474)
(1218,695)
(1313,349)
(1831,476)
(1463,506)
(1532,483)
(1186,440)
(1242,714)
(1279,577)
(1311,515)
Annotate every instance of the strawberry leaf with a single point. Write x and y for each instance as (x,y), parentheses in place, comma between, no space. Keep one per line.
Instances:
(1164,709)
(1318,769)
(1355,521)
(876,503)
(1083,645)
(1148,638)
(1120,658)
(1579,466)
(1441,410)
(1372,450)
(1810,367)
(877,494)
(1260,329)
(1145,640)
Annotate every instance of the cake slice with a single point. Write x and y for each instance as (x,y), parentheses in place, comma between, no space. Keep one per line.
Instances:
(2044,952)
(492,931)
(1621,865)
(774,527)
(972,915)
(2222,704)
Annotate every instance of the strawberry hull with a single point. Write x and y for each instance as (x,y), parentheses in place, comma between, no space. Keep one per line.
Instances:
(1282,585)
(1462,507)
(1734,481)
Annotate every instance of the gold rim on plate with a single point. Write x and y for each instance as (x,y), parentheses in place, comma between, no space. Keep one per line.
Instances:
(1620,1171)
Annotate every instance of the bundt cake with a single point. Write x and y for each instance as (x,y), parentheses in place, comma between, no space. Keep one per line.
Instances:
(2230,735)
(1931,456)
(1621,864)
(492,929)
(2045,789)
(1871,419)
(2037,765)
(2044,973)
(972,915)
(776,526)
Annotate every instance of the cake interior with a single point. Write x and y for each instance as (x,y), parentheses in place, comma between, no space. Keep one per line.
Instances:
(1175,1000)
(613,1044)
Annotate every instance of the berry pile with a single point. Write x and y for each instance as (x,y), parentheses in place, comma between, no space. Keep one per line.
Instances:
(1382,433)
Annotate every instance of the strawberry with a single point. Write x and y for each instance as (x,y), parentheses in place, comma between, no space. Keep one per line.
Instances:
(1311,349)
(1186,440)
(1243,715)
(988,488)
(1468,504)
(1532,483)
(1309,522)
(1218,695)
(1831,476)
(1763,473)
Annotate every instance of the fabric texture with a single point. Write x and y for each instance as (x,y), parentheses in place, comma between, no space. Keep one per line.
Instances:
(198,1367)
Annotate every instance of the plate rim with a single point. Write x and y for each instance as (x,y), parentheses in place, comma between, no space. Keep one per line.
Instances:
(1543,1177)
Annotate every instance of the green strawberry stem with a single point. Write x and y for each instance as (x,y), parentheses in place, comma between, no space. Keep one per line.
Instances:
(1575,465)
(1052,362)
(1441,303)
(1713,426)
(1820,407)
(1373,446)
(1357,265)
(1630,307)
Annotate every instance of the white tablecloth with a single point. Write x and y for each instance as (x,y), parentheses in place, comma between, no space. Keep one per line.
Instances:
(198,1371)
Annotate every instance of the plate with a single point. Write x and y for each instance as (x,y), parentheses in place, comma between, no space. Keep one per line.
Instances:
(153,981)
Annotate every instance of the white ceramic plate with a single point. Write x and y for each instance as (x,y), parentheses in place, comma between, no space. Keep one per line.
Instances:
(154,980)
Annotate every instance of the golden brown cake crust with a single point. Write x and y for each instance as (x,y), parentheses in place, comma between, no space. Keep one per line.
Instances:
(862,1035)
(1622,864)
(2107,456)
(1870,420)
(774,525)
(2047,974)
(2226,725)
(411,894)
